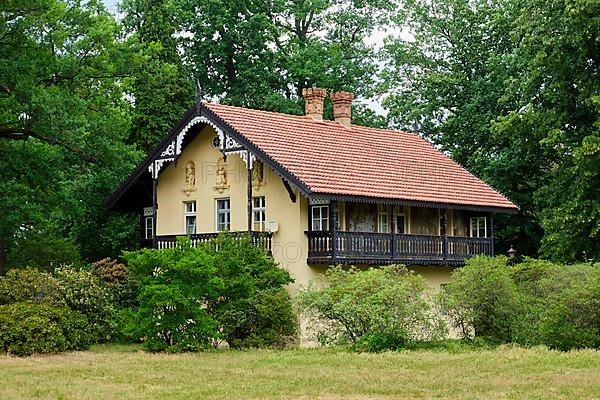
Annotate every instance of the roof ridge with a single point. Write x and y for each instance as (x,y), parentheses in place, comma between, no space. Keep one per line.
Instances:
(309,119)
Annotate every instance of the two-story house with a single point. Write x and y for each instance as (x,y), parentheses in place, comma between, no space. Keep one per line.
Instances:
(326,192)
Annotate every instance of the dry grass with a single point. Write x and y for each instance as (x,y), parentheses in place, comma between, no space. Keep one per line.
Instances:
(126,373)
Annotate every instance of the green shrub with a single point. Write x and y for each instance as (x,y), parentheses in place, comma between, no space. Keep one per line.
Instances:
(115,277)
(372,310)
(532,303)
(482,299)
(194,297)
(27,328)
(83,292)
(250,279)
(29,285)
(270,321)
(570,316)
(79,290)
(175,286)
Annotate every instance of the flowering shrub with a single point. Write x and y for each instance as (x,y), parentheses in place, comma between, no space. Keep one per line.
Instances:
(29,285)
(110,271)
(27,328)
(115,277)
(83,292)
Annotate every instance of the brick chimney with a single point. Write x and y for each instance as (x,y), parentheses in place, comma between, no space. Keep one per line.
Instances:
(313,102)
(342,107)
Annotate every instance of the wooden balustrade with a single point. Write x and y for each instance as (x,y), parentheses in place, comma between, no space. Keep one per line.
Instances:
(379,248)
(259,239)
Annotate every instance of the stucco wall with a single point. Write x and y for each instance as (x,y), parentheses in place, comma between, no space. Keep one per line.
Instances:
(289,242)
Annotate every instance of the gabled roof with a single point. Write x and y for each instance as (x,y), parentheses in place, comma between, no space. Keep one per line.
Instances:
(331,159)
(324,158)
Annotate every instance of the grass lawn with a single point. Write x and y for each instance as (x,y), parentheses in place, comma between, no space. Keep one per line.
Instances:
(124,372)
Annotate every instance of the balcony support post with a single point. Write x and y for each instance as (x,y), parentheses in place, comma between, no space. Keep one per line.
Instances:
(490,233)
(249,168)
(393,236)
(444,233)
(333,211)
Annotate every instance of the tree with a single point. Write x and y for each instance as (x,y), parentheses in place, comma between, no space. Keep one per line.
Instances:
(62,120)
(555,86)
(262,54)
(496,87)
(161,85)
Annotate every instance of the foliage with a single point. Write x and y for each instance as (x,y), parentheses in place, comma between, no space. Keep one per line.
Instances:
(509,89)
(250,280)
(175,285)
(62,120)
(30,285)
(262,54)
(373,310)
(194,297)
(83,292)
(159,78)
(41,251)
(532,303)
(561,304)
(27,328)
(115,277)
(482,299)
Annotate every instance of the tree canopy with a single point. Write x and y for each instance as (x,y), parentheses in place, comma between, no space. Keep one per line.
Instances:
(507,88)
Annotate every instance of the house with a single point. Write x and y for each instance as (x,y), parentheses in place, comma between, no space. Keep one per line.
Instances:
(321,192)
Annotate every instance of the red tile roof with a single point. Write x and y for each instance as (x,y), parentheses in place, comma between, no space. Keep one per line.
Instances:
(360,161)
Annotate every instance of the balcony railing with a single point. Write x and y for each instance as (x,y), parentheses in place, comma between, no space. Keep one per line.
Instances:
(259,239)
(386,248)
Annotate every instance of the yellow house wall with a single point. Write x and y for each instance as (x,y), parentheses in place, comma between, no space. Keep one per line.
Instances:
(289,245)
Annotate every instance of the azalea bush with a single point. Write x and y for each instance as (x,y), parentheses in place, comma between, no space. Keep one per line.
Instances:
(77,290)
(377,309)
(27,328)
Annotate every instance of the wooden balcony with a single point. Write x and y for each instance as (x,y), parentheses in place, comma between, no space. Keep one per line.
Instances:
(259,239)
(388,248)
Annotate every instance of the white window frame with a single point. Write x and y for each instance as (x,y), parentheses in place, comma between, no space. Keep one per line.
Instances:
(477,221)
(259,209)
(399,212)
(383,219)
(224,211)
(189,212)
(148,228)
(319,221)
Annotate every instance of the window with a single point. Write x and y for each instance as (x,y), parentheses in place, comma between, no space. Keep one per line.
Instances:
(149,227)
(320,218)
(478,227)
(190,217)
(223,215)
(258,214)
(400,220)
(383,220)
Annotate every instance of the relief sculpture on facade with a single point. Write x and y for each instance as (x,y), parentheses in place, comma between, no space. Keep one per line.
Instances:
(257,175)
(221,176)
(190,178)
